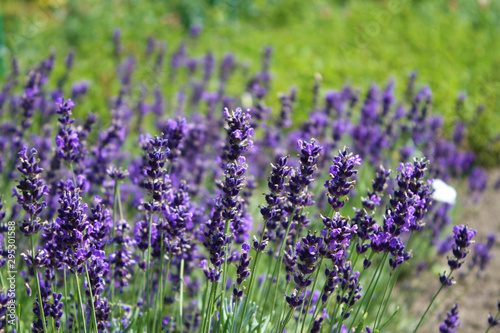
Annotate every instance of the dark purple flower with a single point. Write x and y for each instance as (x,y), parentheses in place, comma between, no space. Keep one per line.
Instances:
(67,140)
(30,191)
(462,237)
(239,134)
(341,173)
(242,270)
(451,322)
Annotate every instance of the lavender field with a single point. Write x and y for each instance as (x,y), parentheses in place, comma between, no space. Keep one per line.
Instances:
(175,186)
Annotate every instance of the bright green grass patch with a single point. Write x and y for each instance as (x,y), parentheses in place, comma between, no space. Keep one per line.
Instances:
(451,44)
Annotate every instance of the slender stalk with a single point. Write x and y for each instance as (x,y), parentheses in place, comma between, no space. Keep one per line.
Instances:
(94,318)
(317,310)
(432,302)
(280,258)
(224,273)
(80,302)
(115,202)
(267,283)
(148,272)
(377,274)
(285,321)
(211,301)
(395,278)
(250,283)
(73,173)
(162,281)
(66,299)
(310,298)
(205,302)
(385,302)
(181,291)
(37,278)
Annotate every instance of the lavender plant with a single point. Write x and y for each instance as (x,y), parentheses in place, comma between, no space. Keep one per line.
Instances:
(176,238)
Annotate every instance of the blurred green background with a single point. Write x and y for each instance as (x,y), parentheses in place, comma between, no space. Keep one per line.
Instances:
(452,45)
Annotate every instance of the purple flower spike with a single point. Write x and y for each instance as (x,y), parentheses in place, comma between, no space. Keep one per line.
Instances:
(341,173)
(67,140)
(451,322)
(239,134)
(242,271)
(462,237)
(30,191)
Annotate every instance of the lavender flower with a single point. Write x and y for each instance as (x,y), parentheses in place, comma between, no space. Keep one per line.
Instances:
(242,270)
(67,141)
(239,134)
(30,192)
(463,238)
(341,182)
(156,181)
(71,230)
(451,322)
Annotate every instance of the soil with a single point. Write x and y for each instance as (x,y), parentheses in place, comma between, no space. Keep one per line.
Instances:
(477,296)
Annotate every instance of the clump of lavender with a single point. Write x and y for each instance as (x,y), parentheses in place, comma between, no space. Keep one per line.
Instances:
(451,322)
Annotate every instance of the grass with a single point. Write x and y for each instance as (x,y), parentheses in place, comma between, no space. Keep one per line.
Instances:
(451,44)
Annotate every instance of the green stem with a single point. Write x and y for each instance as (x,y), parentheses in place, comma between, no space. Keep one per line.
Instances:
(66,299)
(368,290)
(40,301)
(211,302)
(267,283)
(250,283)
(80,301)
(224,273)
(204,312)
(432,302)
(310,298)
(73,173)
(386,302)
(181,292)
(162,283)
(393,284)
(94,318)
(148,277)
(280,258)
(285,321)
